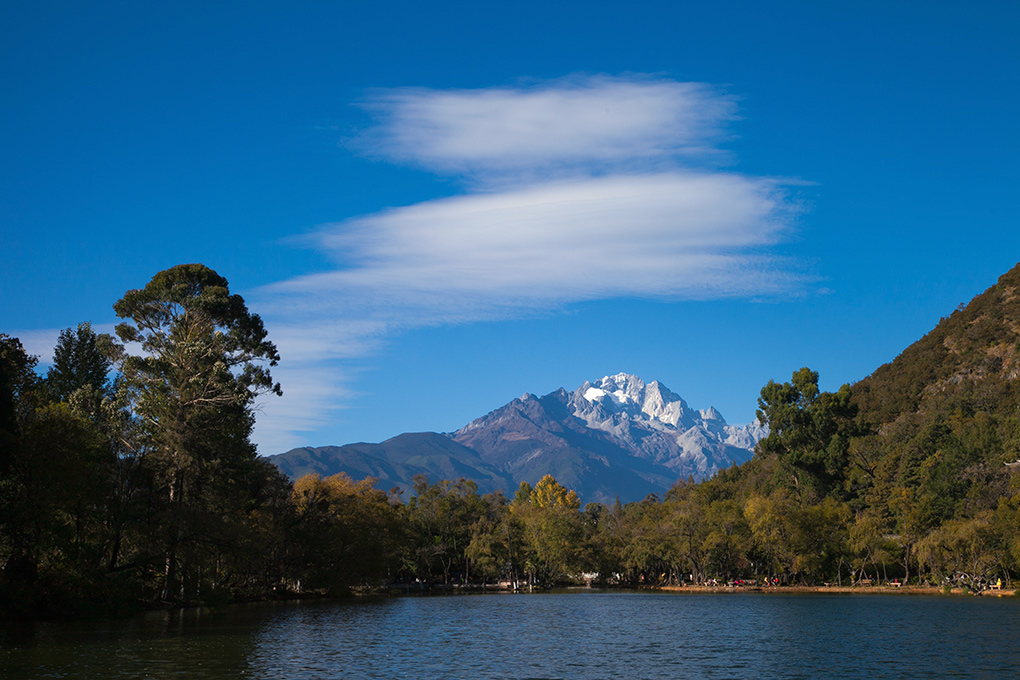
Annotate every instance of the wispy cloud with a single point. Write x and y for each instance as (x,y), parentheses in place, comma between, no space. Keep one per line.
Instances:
(574,124)
(581,189)
(662,235)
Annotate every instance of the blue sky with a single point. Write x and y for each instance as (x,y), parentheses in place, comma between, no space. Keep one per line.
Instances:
(437,207)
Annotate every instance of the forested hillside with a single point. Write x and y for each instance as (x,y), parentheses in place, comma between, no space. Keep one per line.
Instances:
(914,467)
(969,361)
(130,481)
(941,439)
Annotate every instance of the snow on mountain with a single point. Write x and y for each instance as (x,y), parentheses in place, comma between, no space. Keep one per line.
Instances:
(652,422)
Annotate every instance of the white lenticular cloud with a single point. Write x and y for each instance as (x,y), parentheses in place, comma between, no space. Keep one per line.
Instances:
(575,123)
(584,189)
(663,235)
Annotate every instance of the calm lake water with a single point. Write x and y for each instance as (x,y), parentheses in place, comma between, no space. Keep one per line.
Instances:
(581,635)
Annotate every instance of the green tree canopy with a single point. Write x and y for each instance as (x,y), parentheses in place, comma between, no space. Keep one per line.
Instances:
(203,352)
(205,360)
(809,429)
(81,359)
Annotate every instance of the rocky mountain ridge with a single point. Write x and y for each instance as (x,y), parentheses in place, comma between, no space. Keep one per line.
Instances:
(647,421)
(614,437)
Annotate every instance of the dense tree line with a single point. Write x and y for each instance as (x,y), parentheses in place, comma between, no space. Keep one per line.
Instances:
(128,479)
(826,499)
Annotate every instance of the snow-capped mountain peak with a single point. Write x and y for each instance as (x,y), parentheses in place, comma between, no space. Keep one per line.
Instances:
(615,390)
(652,421)
(711,414)
(628,394)
(618,429)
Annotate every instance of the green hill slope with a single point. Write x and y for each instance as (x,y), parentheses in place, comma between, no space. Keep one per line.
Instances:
(969,361)
(912,471)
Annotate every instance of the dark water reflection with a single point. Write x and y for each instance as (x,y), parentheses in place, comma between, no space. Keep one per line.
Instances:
(559,635)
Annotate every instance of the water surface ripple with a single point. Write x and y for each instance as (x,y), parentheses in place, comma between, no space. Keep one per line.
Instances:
(583,635)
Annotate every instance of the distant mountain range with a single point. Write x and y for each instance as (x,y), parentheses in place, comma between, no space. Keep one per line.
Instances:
(616,437)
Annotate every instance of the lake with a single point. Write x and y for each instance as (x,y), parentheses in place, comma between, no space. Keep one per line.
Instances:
(573,634)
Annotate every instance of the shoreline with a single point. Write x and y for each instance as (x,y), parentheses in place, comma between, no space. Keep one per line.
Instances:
(854,590)
(452,589)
